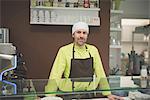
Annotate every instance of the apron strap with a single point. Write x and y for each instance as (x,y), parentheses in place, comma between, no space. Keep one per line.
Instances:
(74,51)
(87,50)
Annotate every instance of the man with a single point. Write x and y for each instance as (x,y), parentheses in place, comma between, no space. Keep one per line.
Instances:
(78,63)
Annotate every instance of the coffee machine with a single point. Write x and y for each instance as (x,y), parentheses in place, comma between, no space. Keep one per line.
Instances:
(8,62)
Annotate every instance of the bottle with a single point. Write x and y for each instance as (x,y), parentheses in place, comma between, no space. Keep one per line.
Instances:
(95,4)
(76,4)
(67,4)
(86,4)
(144,71)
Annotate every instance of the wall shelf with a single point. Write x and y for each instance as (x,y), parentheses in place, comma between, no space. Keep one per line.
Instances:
(60,23)
(56,15)
(114,12)
(115,46)
(115,29)
(134,41)
(65,8)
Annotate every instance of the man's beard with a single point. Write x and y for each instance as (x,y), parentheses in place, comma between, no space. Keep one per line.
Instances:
(81,41)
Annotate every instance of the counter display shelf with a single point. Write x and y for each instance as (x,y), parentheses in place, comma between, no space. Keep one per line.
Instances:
(35,88)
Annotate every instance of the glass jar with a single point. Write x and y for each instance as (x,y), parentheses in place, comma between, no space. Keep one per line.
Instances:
(144,71)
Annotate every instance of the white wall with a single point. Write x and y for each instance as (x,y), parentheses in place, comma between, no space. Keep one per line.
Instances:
(149,9)
(128,26)
(135,8)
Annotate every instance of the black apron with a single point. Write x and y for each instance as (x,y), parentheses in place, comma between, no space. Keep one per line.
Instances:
(81,69)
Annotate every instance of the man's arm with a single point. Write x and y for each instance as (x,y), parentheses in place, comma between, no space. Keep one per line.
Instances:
(100,73)
(56,73)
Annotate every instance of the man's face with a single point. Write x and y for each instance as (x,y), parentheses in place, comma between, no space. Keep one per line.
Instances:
(80,37)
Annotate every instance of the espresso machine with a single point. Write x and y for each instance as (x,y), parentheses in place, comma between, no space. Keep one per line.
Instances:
(8,62)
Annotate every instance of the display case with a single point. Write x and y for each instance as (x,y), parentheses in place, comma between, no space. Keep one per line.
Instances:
(64,12)
(31,89)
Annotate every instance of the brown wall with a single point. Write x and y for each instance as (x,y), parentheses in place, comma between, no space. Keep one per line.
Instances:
(40,43)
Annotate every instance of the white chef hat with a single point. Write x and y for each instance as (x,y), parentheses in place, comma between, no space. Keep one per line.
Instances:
(80,25)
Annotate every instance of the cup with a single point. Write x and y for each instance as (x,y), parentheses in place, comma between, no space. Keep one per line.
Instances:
(144,71)
(34,16)
(41,16)
(47,16)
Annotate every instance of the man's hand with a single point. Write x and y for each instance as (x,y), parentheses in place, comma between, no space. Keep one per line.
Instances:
(114,97)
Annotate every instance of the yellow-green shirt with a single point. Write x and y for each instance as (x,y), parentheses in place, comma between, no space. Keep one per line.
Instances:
(62,64)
